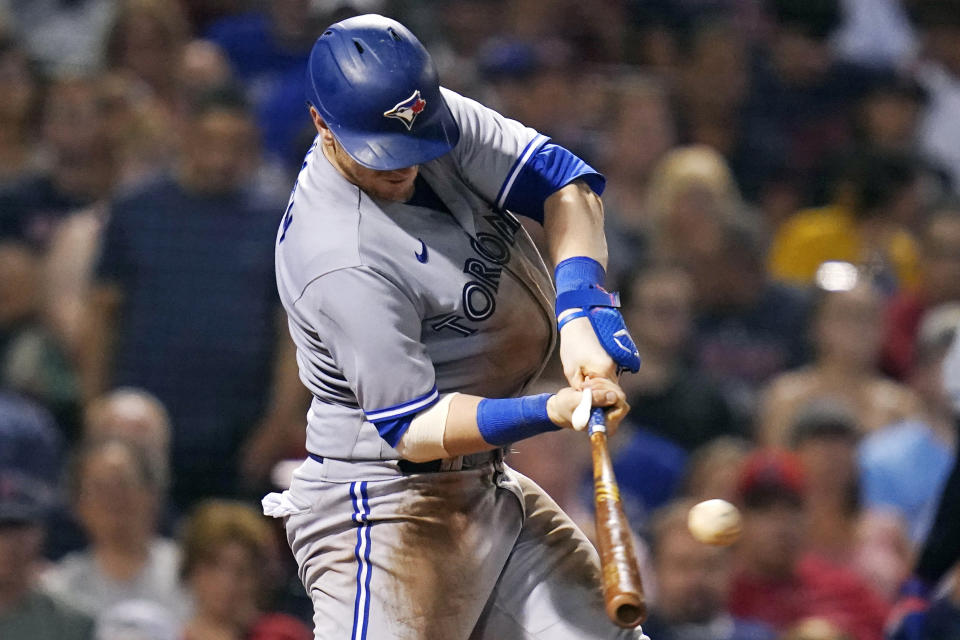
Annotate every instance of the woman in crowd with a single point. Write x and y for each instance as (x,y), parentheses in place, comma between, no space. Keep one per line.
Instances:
(846,331)
(227,551)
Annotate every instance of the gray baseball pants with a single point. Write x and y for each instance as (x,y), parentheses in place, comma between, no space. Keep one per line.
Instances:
(480,553)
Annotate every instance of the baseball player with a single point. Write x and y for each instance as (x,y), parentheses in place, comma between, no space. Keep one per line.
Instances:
(421,311)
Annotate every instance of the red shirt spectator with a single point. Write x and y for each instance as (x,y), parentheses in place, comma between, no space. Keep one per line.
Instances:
(817,588)
(778,581)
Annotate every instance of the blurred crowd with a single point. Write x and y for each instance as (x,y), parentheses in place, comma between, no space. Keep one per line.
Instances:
(783,220)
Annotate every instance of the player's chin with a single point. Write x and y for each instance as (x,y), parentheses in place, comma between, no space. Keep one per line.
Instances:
(395,190)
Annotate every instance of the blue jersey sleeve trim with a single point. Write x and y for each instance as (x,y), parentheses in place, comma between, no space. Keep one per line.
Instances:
(411,406)
(551,168)
(393,422)
(525,155)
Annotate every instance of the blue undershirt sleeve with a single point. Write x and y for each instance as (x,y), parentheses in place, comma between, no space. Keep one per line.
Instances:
(551,168)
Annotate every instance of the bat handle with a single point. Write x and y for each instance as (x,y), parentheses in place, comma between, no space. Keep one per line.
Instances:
(597,422)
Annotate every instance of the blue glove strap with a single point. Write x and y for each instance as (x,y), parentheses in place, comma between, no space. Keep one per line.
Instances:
(579,272)
(506,420)
(614,338)
(580,298)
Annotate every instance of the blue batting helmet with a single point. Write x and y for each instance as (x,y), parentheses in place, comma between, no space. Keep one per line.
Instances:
(376,87)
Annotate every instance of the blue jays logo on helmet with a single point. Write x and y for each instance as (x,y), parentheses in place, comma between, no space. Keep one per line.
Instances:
(408,110)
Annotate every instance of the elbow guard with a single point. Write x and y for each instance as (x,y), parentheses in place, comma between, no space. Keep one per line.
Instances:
(423,439)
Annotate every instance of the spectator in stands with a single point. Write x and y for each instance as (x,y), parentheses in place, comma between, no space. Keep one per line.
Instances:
(203,66)
(691,194)
(939,284)
(139,132)
(777,579)
(838,527)
(31,360)
(117,496)
(29,467)
(875,200)
(748,329)
(146,41)
(824,437)
(692,585)
(194,325)
(20,86)
(667,396)
(641,130)
(801,99)
(81,167)
(268,51)
(846,329)
(136,416)
(227,552)
(905,465)
(938,23)
(712,89)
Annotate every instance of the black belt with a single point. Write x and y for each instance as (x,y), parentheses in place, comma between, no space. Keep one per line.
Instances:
(405,466)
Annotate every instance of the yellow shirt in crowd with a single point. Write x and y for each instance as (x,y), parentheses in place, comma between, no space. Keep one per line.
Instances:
(814,236)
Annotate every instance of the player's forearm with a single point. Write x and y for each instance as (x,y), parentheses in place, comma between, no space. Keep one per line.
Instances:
(458,425)
(461,435)
(461,424)
(573,223)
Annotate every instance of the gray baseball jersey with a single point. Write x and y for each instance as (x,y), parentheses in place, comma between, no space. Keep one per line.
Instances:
(391,304)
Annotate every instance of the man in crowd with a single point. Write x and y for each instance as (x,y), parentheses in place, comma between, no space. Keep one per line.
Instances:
(777,579)
(185,307)
(29,461)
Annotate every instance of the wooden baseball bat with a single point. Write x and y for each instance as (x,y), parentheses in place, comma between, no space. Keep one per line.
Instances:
(622,587)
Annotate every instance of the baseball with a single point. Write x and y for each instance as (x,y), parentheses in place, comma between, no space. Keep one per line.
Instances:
(715,522)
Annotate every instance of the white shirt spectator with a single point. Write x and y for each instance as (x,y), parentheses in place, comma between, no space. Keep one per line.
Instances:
(78,581)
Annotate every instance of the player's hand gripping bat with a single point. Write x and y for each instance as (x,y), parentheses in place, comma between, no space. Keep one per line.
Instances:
(622,588)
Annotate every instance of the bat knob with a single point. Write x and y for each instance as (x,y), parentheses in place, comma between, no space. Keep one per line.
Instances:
(627,609)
